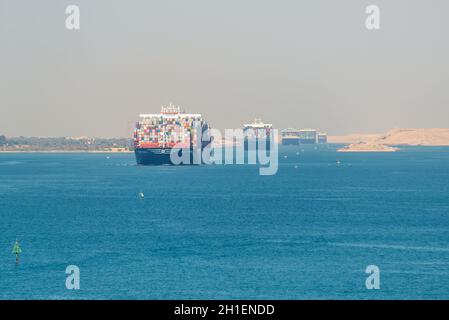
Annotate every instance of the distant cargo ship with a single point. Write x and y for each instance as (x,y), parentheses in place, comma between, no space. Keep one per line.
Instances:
(290,136)
(307,136)
(322,137)
(257,131)
(293,136)
(156,135)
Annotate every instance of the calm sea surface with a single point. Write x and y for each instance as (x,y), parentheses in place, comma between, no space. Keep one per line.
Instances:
(224,232)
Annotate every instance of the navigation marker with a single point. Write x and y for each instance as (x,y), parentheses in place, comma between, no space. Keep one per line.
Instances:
(16,250)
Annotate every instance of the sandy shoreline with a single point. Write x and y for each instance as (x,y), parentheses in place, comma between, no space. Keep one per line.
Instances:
(430,137)
(367,147)
(423,137)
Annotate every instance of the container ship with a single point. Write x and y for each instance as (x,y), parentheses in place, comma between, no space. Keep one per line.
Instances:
(322,138)
(256,131)
(293,136)
(290,136)
(155,136)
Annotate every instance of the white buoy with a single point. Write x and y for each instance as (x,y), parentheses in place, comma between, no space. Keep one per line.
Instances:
(141,195)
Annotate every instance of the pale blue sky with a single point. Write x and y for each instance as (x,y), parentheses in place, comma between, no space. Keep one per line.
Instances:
(292,63)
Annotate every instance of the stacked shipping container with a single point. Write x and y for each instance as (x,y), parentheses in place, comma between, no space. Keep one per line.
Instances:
(170,128)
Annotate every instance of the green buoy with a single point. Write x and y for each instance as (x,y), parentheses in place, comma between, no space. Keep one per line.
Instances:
(16,250)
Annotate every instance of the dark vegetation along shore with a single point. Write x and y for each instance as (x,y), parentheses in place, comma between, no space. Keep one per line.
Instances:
(36,144)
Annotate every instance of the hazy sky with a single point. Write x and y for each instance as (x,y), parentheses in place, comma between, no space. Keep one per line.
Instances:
(292,63)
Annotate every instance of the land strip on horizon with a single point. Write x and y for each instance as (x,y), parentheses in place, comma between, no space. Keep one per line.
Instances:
(394,137)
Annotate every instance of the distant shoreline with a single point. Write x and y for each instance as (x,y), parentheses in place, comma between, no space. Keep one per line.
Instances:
(426,137)
(367,147)
(62,151)
(361,147)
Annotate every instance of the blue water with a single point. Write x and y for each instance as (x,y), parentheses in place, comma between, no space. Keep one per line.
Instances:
(224,232)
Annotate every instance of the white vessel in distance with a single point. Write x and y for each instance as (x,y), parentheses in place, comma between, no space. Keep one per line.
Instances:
(258,130)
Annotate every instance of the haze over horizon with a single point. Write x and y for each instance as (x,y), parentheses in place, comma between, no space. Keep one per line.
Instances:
(291,63)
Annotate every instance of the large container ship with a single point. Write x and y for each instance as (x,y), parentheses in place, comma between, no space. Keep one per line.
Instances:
(156,135)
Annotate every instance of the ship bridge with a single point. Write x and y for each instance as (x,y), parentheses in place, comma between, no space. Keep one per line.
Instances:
(258,124)
(171,111)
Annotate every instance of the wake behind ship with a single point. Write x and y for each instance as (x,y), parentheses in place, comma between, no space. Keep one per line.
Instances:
(156,135)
